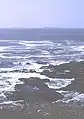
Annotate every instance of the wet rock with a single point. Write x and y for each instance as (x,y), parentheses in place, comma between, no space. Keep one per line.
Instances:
(26,92)
(34,81)
(39,62)
(44,67)
(32,71)
(76,86)
(52,67)
(35,89)
(75,69)
(27,63)
(49,74)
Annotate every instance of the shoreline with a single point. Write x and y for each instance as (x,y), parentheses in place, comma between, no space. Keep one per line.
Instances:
(41,104)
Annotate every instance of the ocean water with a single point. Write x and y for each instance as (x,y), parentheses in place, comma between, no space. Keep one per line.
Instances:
(24,59)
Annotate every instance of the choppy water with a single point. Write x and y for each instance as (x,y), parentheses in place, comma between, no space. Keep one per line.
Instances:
(19,55)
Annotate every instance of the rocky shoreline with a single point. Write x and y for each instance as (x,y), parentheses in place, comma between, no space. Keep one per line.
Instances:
(35,91)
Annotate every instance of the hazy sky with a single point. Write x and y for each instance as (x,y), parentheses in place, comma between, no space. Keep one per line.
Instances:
(42,13)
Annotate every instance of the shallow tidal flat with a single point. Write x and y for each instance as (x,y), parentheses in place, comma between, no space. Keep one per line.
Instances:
(57,92)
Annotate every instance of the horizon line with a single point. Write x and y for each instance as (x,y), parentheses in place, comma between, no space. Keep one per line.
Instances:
(41,28)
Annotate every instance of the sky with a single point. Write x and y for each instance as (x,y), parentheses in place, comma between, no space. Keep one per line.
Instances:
(42,13)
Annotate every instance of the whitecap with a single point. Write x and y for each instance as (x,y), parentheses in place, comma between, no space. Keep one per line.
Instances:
(59,83)
(71,97)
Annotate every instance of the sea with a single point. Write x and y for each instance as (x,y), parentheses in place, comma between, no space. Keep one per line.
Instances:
(25,54)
